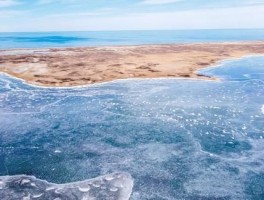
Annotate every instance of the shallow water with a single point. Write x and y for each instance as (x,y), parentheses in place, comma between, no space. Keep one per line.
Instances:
(107,38)
(177,138)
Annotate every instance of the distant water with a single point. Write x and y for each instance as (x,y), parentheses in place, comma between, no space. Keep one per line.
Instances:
(99,38)
(177,138)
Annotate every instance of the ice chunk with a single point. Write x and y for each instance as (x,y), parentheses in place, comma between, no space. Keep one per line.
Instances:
(117,186)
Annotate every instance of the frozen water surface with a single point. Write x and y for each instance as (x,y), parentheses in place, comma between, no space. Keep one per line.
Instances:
(177,138)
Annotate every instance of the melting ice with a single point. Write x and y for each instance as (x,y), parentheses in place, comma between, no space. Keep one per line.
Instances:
(178,139)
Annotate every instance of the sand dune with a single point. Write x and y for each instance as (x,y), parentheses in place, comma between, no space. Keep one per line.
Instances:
(80,66)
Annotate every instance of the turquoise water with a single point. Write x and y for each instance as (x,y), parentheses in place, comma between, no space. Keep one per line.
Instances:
(102,38)
(177,138)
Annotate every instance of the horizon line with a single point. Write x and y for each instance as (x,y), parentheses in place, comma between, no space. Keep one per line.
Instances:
(124,30)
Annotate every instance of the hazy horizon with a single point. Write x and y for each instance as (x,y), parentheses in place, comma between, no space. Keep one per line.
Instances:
(135,30)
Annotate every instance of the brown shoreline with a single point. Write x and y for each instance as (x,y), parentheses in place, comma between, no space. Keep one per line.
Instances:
(82,66)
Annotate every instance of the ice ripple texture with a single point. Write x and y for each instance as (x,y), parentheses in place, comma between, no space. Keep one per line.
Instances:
(177,138)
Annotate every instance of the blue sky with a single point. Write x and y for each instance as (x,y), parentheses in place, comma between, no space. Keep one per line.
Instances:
(75,15)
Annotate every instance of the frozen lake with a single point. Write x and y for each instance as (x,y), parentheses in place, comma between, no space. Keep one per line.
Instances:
(174,138)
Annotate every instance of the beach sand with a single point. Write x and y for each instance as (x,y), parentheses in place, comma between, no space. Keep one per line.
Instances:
(82,66)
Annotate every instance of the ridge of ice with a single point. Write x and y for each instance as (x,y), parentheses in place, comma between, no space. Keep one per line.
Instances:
(116,186)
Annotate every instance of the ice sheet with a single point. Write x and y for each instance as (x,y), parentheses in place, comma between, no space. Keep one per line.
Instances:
(179,139)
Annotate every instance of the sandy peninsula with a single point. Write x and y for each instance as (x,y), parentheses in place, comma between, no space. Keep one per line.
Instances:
(80,66)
